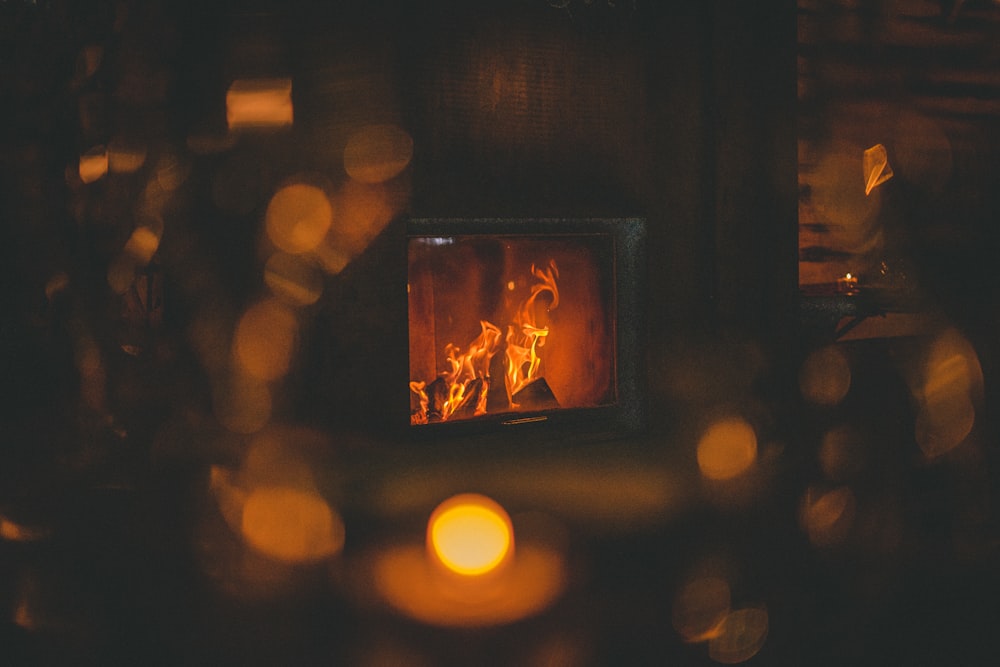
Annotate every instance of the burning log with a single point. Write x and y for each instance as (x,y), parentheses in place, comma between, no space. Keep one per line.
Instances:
(497,398)
(536,395)
(437,395)
(467,407)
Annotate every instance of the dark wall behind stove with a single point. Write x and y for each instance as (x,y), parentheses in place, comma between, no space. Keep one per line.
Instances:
(680,113)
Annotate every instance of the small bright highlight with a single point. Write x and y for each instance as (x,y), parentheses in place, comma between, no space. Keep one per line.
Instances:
(470,535)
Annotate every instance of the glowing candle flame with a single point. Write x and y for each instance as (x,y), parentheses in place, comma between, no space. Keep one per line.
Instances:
(470,535)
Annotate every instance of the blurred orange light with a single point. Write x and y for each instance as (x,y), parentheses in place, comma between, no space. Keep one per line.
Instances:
(265,340)
(727,449)
(953,383)
(364,211)
(293,279)
(125,157)
(827,516)
(741,636)
(700,608)
(470,534)
(14,531)
(825,377)
(142,244)
(93,164)
(259,103)
(377,153)
(298,217)
(291,525)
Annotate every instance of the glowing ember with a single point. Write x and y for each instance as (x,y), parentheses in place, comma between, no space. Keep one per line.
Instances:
(467,386)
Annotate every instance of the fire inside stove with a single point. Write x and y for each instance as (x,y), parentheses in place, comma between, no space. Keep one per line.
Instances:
(509,324)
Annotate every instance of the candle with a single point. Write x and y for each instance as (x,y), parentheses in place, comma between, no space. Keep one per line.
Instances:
(848,284)
(471,536)
(467,574)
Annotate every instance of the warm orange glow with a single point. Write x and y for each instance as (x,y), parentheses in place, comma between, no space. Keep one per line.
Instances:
(741,636)
(405,579)
(14,531)
(727,449)
(259,103)
(94,164)
(363,211)
(143,243)
(827,516)
(291,525)
(293,279)
(700,608)
(265,337)
(875,164)
(125,157)
(377,153)
(952,384)
(825,377)
(470,535)
(298,217)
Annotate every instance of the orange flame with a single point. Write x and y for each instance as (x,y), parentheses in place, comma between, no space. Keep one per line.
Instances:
(524,337)
(467,377)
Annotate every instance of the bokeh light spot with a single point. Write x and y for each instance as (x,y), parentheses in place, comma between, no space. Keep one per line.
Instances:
(377,153)
(825,377)
(700,608)
(298,217)
(741,636)
(125,157)
(259,103)
(291,525)
(952,384)
(944,424)
(293,279)
(143,243)
(470,534)
(265,337)
(827,516)
(94,164)
(727,449)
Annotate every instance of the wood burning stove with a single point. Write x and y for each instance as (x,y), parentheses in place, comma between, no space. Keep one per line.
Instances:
(524,323)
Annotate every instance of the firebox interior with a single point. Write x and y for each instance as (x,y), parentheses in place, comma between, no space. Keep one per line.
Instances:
(507,323)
